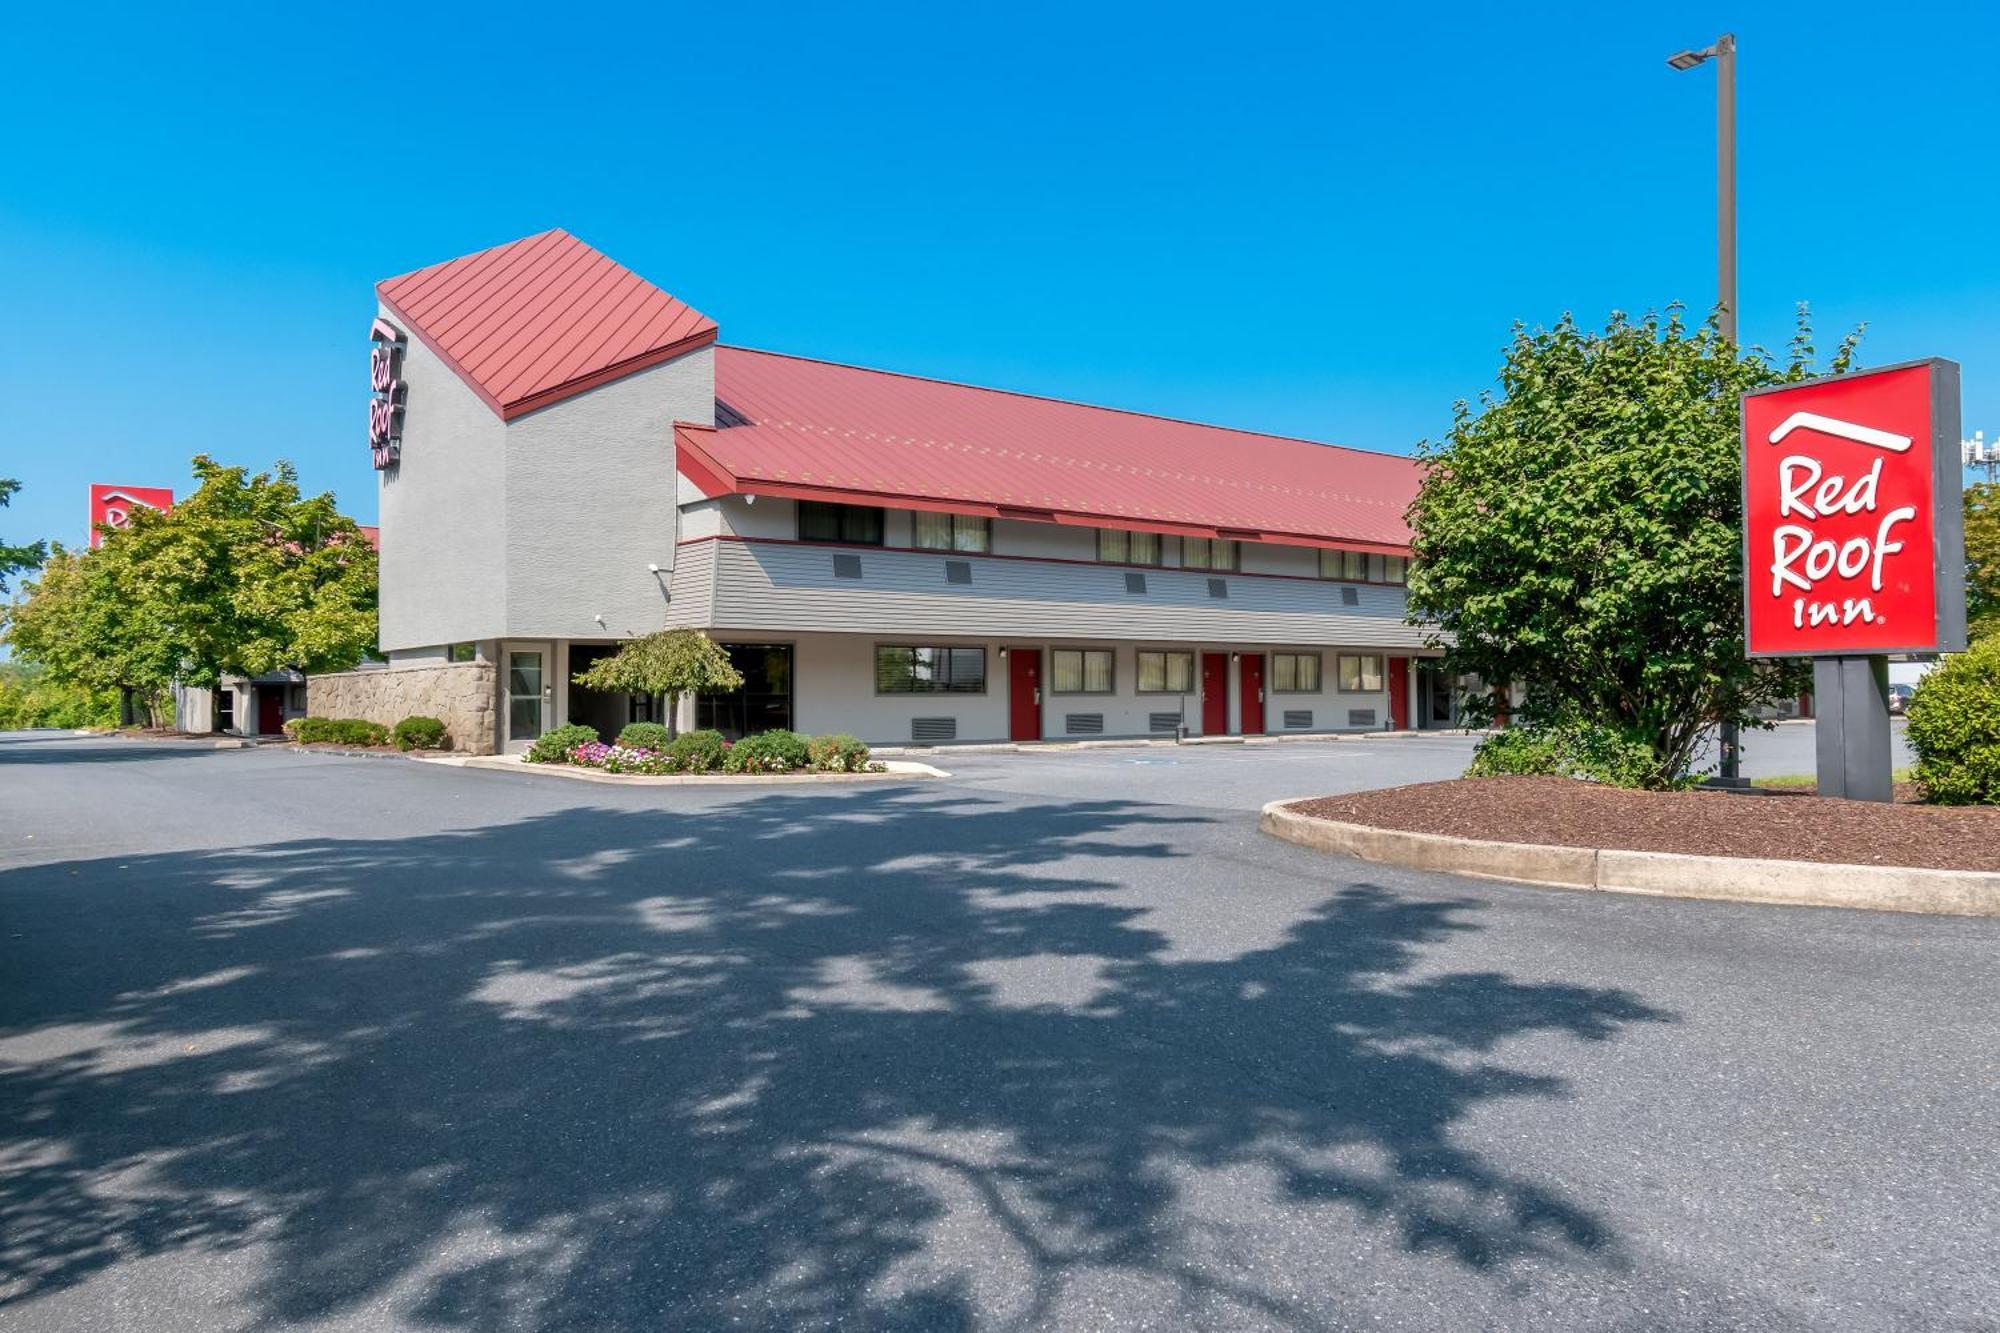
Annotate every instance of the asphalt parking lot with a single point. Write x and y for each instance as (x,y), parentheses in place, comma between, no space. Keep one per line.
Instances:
(300,1041)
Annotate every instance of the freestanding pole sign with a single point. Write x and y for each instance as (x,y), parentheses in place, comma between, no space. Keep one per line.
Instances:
(1854,545)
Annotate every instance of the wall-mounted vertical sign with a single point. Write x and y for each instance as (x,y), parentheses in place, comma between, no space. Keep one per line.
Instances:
(386,393)
(1853,536)
(111,506)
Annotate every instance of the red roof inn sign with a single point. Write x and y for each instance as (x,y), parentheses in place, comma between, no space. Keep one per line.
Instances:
(385,402)
(1853,537)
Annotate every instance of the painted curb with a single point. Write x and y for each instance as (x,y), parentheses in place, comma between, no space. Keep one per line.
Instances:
(898,770)
(1661,874)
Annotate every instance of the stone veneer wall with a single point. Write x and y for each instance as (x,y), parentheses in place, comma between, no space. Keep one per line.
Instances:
(461,695)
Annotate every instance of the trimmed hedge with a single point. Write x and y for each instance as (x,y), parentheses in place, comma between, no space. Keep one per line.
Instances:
(1954,728)
(553,747)
(418,733)
(336,731)
(644,736)
(698,751)
(769,752)
(1578,750)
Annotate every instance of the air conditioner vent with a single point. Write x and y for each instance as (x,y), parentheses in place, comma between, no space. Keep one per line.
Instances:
(847,566)
(1136,583)
(958,571)
(1350,596)
(1218,588)
(1360,717)
(1298,718)
(1163,721)
(1084,724)
(933,729)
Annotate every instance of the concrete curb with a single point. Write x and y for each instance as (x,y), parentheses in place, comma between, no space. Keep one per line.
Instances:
(1663,874)
(512,764)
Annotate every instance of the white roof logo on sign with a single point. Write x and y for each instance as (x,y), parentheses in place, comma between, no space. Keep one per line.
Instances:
(1846,430)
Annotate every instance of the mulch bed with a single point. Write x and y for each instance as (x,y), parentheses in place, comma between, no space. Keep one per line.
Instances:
(1786,827)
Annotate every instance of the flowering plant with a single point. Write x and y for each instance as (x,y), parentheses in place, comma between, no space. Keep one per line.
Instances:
(622,758)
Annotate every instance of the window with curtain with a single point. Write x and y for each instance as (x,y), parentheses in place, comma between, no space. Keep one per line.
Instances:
(951,532)
(1399,569)
(1295,673)
(1166,673)
(1208,553)
(854,525)
(1360,674)
(919,669)
(1080,671)
(1118,547)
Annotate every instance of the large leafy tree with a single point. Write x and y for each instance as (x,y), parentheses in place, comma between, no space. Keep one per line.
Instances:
(1579,531)
(1982,558)
(244,576)
(672,662)
(14,559)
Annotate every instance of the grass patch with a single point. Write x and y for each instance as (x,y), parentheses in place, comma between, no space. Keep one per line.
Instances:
(1806,781)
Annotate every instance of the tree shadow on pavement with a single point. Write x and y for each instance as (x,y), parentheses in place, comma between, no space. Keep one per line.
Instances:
(866,1058)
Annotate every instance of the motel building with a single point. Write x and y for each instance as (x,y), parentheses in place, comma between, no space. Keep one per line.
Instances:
(569,458)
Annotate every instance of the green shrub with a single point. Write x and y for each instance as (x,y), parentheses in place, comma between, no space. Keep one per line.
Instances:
(1516,751)
(698,751)
(1955,728)
(769,752)
(336,731)
(553,747)
(419,733)
(1573,750)
(644,736)
(838,754)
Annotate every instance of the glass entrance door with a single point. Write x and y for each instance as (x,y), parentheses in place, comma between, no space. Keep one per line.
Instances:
(527,697)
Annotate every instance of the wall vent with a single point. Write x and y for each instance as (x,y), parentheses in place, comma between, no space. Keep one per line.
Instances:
(1084,724)
(1136,583)
(958,571)
(1218,588)
(847,566)
(1163,721)
(1296,718)
(1360,717)
(933,729)
(1350,596)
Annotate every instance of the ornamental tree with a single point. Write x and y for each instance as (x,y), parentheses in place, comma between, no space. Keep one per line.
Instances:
(672,662)
(1579,531)
(243,577)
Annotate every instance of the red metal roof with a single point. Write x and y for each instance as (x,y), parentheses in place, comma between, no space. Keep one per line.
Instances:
(532,322)
(811,429)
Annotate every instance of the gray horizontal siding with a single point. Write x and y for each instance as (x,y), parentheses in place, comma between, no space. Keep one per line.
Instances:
(786,587)
(691,600)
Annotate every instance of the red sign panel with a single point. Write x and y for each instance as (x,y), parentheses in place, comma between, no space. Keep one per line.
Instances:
(1852,533)
(112,506)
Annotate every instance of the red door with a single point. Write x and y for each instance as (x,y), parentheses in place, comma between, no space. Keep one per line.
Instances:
(1024,694)
(270,713)
(1214,694)
(1399,693)
(1252,680)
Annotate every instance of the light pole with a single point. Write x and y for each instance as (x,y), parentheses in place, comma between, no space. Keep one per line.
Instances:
(1723,53)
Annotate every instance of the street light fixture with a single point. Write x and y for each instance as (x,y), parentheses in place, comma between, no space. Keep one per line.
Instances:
(1723,53)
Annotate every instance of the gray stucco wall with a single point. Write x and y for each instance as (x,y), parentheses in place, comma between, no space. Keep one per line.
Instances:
(443,513)
(592,495)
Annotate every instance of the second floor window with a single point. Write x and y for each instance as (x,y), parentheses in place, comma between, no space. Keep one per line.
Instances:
(1360,567)
(1204,553)
(1118,547)
(855,525)
(951,532)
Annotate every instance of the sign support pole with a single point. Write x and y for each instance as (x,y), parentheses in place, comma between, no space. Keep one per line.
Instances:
(1851,700)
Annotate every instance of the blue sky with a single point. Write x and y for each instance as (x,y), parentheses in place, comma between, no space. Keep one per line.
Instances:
(1280,218)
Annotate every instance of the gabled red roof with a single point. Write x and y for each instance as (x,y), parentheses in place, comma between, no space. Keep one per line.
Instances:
(815,430)
(532,322)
